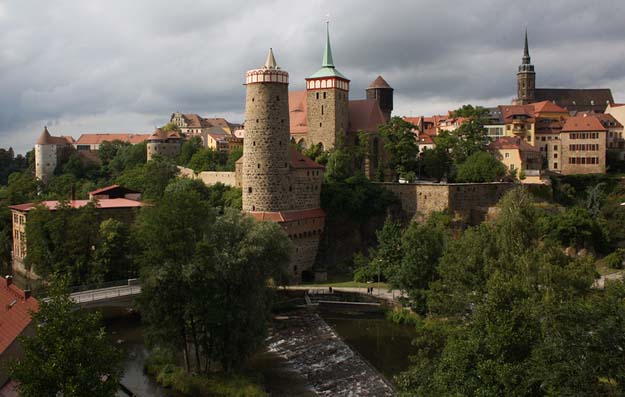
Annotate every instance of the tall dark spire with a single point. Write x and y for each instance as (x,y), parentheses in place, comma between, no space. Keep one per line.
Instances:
(526,51)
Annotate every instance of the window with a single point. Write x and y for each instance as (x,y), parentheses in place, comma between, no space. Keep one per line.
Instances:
(555,155)
(555,166)
(322,110)
(324,95)
(507,155)
(317,95)
(249,190)
(555,147)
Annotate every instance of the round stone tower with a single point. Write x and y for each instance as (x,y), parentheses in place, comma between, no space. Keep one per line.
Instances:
(266,144)
(382,93)
(45,156)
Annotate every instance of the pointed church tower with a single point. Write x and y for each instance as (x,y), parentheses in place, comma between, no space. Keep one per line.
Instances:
(327,96)
(526,78)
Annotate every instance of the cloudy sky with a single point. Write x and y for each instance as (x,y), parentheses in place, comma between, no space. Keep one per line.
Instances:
(126,65)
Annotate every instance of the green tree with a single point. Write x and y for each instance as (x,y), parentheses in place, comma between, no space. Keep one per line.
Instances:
(235,154)
(171,127)
(400,142)
(208,159)
(436,162)
(151,178)
(127,158)
(108,150)
(206,278)
(112,259)
(70,355)
(188,149)
(480,167)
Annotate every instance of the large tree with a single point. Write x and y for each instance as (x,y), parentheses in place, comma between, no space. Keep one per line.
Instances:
(206,290)
(70,354)
(480,167)
(400,142)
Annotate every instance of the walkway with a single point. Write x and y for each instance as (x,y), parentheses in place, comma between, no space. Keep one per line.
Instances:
(381,293)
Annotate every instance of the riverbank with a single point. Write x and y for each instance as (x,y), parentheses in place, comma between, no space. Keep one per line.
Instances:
(314,350)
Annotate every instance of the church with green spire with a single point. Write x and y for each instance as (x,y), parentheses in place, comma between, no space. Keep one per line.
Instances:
(324,113)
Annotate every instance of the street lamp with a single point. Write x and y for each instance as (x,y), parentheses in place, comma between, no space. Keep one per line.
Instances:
(379,261)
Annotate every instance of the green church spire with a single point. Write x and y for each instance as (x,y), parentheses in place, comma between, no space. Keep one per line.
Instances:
(327,66)
(328,62)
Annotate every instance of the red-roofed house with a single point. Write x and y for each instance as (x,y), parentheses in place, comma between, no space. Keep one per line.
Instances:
(93,141)
(108,202)
(518,155)
(583,146)
(16,306)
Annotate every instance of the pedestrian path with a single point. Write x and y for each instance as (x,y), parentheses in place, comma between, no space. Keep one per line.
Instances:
(382,293)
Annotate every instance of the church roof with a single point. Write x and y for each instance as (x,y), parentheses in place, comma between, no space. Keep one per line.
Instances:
(297,112)
(379,82)
(365,115)
(576,99)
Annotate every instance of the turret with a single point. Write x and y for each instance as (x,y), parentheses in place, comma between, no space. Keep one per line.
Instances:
(266,146)
(526,78)
(327,96)
(382,93)
(45,156)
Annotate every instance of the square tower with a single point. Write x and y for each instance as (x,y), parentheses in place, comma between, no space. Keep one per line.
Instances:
(327,96)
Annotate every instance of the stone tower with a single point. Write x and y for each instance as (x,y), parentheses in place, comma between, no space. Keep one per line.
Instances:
(327,96)
(382,93)
(266,145)
(45,156)
(526,78)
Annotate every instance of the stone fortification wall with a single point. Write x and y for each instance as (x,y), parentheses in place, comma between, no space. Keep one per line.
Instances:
(469,202)
(266,160)
(305,188)
(211,177)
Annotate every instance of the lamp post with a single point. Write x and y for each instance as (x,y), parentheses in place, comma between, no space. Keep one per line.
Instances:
(379,261)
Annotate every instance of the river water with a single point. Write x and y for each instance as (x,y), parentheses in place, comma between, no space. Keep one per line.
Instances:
(383,344)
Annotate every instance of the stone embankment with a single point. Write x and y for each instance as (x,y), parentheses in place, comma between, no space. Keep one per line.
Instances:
(328,364)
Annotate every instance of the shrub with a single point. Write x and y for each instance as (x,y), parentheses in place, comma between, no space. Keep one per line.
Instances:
(615,259)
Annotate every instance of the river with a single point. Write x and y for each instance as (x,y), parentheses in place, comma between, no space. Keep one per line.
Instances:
(385,345)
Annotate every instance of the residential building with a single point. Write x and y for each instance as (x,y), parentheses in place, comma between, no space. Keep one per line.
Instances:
(164,143)
(520,157)
(110,202)
(16,306)
(519,121)
(192,124)
(93,141)
(583,146)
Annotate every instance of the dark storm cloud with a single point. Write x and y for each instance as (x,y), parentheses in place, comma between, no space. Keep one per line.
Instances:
(126,65)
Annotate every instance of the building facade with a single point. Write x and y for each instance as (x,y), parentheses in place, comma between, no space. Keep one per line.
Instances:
(163,143)
(583,146)
(49,152)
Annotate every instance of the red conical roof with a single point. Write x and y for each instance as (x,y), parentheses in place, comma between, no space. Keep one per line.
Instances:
(379,82)
(45,138)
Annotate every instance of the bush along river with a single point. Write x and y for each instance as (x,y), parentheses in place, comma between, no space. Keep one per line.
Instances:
(310,352)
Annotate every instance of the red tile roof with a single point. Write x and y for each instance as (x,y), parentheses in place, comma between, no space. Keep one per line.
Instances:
(52,205)
(513,142)
(111,188)
(46,139)
(298,160)
(426,139)
(297,112)
(547,107)
(98,138)
(15,308)
(365,115)
(582,124)
(287,216)
(509,111)
(379,82)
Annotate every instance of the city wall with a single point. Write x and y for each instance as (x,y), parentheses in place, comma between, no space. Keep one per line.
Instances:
(211,177)
(468,202)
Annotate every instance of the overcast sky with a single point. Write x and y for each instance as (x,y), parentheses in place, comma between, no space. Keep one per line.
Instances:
(126,65)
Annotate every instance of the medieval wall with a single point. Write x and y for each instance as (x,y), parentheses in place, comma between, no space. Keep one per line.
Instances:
(469,202)
(305,188)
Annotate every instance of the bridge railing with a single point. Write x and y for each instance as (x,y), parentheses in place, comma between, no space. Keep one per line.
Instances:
(106,293)
(108,284)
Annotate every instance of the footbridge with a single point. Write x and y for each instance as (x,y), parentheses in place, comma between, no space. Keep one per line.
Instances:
(117,294)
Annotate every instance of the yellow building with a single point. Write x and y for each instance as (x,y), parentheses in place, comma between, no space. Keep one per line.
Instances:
(519,122)
(520,157)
